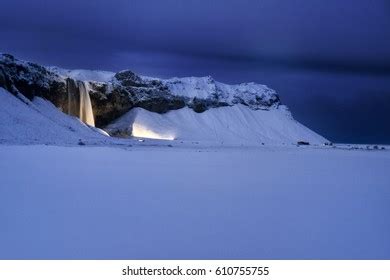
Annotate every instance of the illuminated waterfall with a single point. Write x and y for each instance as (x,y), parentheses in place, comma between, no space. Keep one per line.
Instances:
(86,112)
(73,97)
(79,102)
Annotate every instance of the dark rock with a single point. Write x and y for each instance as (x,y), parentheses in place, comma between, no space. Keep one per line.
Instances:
(73,96)
(108,107)
(129,79)
(198,105)
(303,143)
(110,100)
(161,105)
(32,80)
(201,105)
(4,80)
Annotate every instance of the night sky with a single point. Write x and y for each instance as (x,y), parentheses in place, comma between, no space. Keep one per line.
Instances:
(328,60)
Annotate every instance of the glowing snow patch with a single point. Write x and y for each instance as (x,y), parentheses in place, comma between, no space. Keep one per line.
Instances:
(101,131)
(143,132)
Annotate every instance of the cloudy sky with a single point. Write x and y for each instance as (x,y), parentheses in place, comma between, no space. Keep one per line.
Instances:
(329,60)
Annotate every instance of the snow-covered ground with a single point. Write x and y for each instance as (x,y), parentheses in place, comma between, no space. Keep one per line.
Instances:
(39,121)
(231,185)
(234,126)
(194,203)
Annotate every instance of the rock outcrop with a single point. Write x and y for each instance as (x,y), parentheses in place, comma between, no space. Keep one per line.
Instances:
(113,97)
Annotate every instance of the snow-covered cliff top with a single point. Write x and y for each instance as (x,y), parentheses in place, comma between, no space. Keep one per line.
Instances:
(254,95)
(84,75)
(199,93)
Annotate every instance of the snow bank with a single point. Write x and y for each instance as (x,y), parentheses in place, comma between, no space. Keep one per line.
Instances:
(39,121)
(236,125)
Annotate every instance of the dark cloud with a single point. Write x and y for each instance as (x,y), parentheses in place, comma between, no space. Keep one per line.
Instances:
(342,107)
(313,32)
(281,43)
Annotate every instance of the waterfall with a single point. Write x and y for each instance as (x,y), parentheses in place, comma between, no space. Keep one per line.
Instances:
(73,97)
(86,112)
(79,102)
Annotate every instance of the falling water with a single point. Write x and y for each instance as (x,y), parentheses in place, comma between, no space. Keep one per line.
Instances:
(73,97)
(86,112)
(79,102)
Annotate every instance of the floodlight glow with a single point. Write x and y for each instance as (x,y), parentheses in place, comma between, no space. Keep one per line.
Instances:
(144,132)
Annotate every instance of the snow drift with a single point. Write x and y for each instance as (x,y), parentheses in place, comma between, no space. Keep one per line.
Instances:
(243,114)
(226,125)
(38,121)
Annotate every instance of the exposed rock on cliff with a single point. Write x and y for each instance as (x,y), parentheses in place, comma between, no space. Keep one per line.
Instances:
(112,95)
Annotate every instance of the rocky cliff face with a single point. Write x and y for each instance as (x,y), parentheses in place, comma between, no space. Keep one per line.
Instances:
(114,96)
